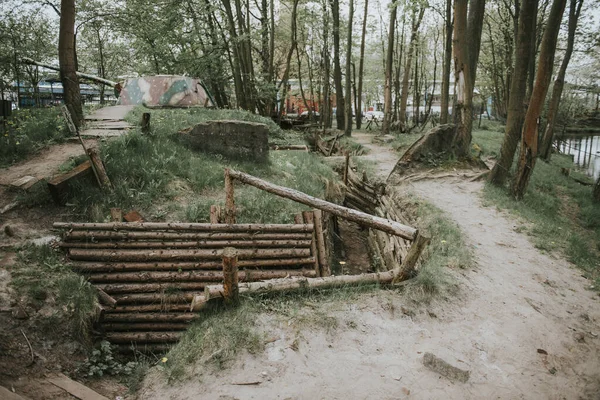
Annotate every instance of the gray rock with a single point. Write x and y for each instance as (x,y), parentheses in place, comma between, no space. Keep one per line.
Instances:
(440,366)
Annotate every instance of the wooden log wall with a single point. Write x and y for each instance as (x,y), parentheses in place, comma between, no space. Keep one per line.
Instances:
(387,251)
(148,273)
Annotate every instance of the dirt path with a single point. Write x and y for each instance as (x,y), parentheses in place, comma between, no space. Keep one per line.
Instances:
(512,307)
(385,158)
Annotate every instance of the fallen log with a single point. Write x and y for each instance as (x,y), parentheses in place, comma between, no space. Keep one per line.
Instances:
(99,170)
(407,269)
(105,298)
(121,235)
(150,266)
(143,337)
(114,288)
(195,276)
(187,245)
(359,217)
(288,147)
(150,317)
(182,226)
(155,326)
(180,255)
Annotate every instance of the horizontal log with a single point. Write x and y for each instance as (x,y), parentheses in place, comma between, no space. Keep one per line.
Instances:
(288,147)
(365,205)
(180,255)
(143,337)
(363,195)
(149,317)
(165,266)
(145,326)
(196,276)
(359,217)
(150,348)
(181,226)
(357,181)
(158,307)
(95,235)
(137,298)
(115,288)
(187,245)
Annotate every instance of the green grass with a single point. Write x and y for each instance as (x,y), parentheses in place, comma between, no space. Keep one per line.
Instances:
(30,130)
(557,212)
(402,142)
(41,275)
(447,249)
(160,177)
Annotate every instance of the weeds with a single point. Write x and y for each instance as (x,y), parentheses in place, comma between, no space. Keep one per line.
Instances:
(30,130)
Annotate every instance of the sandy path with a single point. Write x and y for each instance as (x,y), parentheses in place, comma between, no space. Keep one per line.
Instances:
(514,302)
(385,158)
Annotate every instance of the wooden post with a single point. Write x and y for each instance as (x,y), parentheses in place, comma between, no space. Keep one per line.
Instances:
(230,276)
(308,217)
(407,269)
(116,215)
(346,167)
(145,122)
(99,170)
(322,253)
(229,199)
(215,214)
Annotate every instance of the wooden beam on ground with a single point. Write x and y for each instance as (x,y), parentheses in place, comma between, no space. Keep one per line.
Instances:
(407,269)
(359,217)
(99,170)
(58,185)
(75,388)
(184,226)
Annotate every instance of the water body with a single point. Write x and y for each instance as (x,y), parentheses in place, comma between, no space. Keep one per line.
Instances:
(585,151)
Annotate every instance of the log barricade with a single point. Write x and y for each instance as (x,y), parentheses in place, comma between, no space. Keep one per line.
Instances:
(148,273)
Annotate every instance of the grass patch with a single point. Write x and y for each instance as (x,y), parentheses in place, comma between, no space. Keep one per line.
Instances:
(40,275)
(347,144)
(159,176)
(402,142)
(30,130)
(447,249)
(557,212)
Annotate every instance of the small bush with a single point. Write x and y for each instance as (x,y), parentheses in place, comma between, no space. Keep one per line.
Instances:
(102,362)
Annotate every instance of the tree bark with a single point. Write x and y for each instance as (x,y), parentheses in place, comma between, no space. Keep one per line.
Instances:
(596,191)
(66,59)
(361,67)
(559,83)
(516,102)
(447,63)
(529,141)
(184,226)
(337,70)
(389,61)
(348,102)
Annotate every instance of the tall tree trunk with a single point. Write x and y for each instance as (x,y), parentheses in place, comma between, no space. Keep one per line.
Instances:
(288,60)
(596,191)
(542,82)
(348,102)
(559,83)
(467,42)
(389,58)
(447,62)
(416,22)
(66,60)
(361,67)
(337,70)
(516,101)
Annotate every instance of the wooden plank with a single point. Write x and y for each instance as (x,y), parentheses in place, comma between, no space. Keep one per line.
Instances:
(59,184)
(25,182)
(6,394)
(75,388)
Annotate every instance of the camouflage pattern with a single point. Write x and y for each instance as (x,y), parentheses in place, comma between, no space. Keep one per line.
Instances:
(165,91)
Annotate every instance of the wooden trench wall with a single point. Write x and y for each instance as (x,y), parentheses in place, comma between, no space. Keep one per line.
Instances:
(153,270)
(150,276)
(387,251)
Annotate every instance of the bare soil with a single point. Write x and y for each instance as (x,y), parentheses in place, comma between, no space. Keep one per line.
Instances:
(524,324)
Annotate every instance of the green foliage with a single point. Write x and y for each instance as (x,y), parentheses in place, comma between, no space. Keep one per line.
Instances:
(28,131)
(40,274)
(102,362)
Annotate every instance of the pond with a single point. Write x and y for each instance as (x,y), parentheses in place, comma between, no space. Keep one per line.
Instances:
(585,150)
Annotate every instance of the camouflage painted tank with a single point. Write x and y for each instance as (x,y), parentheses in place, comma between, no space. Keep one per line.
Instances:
(165,91)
